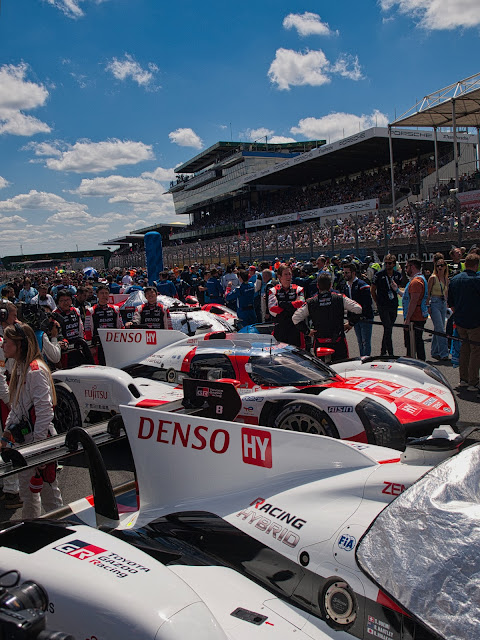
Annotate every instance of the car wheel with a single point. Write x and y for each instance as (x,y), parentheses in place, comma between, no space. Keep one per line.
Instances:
(304,418)
(67,412)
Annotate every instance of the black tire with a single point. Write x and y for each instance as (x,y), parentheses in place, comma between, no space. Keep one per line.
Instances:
(67,411)
(305,418)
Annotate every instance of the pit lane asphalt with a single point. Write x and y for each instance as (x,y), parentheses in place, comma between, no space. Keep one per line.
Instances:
(74,478)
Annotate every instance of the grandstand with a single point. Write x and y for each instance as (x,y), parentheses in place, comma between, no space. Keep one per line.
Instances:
(333,197)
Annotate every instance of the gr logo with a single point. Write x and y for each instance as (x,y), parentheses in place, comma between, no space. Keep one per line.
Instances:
(257,447)
(79,549)
(347,542)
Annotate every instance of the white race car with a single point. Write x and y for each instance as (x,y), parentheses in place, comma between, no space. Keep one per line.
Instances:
(373,400)
(245,532)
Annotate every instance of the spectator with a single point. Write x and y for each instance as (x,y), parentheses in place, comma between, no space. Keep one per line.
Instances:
(437,305)
(44,299)
(28,292)
(165,286)
(384,290)
(415,306)
(464,300)
(359,291)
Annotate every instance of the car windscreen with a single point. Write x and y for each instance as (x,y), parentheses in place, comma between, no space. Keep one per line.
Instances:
(287,367)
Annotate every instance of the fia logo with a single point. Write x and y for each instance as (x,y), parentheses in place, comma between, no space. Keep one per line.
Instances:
(347,542)
(151,337)
(257,447)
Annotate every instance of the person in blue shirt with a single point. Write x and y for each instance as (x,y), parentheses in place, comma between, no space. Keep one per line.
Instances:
(214,292)
(244,296)
(28,292)
(166,286)
(113,286)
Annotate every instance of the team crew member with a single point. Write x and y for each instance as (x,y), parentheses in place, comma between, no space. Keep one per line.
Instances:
(81,303)
(283,299)
(244,296)
(359,291)
(104,316)
(152,314)
(214,291)
(32,398)
(326,311)
(165,286)
(69,317)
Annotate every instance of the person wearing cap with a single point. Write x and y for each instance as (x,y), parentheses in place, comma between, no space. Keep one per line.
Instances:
(256,279)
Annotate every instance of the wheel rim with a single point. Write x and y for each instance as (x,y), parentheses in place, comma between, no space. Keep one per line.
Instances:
(64,415)
(305,424)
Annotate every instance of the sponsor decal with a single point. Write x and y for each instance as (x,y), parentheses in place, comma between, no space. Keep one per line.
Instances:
(340,409)
(151,337)
(205,392)
(381,366)
(176,434)
(447,410)
(416,396)
(411,409)
(364,384)
(68,379)
(393,488)
(440,391)
(278,531)
(248,408)
(96,394)
(346,542)
(429,401)
(111,562)
(129,336)
(380,385)
(253,398)
(359,447)
(398,393)
(436,405)
(257,447)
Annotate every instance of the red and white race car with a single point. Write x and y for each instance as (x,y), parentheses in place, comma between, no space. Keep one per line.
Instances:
(375,400)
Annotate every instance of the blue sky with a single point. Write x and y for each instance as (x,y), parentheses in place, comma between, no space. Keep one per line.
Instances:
(101,99)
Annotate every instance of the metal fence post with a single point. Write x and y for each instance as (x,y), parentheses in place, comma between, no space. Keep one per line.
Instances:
(411,336)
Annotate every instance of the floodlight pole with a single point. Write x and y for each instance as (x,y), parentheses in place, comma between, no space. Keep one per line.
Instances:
(455,147)
(437,177)
(392,170)
(478,148)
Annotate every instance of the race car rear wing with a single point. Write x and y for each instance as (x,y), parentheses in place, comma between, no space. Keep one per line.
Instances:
(123,347)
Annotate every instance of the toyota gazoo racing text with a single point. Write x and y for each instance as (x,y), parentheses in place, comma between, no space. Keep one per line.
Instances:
(239,531)
(371,400)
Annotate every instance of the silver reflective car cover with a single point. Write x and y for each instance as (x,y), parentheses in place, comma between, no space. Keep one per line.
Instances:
(424,549)
(195,322)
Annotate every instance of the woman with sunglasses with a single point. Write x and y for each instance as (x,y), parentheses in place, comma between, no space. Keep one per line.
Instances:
(437,305)
(32,399)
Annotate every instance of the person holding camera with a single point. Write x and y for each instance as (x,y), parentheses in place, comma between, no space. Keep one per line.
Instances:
(32,399)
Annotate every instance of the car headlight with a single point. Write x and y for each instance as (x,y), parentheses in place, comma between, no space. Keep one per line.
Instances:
(381,425)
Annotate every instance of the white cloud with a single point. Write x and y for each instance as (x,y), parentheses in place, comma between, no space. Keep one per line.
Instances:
(335,126)
(3,183)
(71,8)
(160,174)
(40,200)
(16,95)
(438,14)
(257,134)
(348,67)
(11,221)
(296,68)
(186,137)
(92,157)
(72,218)
(130,68)
(280,139)
(307,24)
(143,193)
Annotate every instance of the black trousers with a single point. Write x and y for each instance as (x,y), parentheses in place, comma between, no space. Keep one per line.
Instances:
(388,315)
(419,344)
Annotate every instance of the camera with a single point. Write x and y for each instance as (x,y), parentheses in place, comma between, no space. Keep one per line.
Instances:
(20,430)
(23,611)
(37,317)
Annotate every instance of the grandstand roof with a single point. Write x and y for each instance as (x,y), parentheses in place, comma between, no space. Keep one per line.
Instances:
(365,150)
(436,109)
(126,239)
(220,150)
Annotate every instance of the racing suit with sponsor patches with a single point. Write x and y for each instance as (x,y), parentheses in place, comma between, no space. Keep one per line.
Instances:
(71,324)
(326,311)
(154,317)
(282,304)
(34,401)
(105,317)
